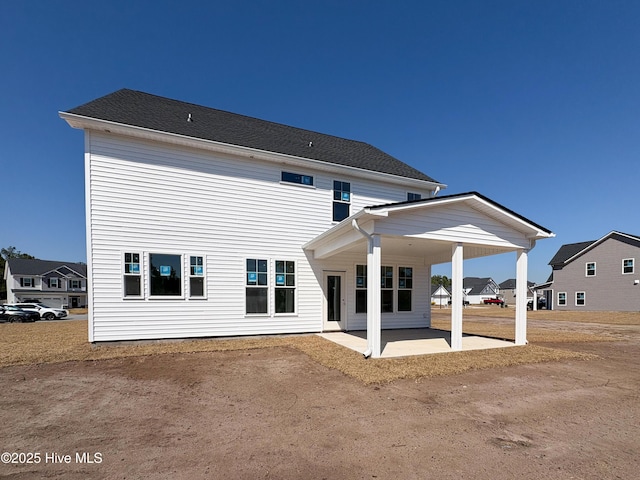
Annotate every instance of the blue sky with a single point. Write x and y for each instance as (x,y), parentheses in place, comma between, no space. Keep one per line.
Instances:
(535,104)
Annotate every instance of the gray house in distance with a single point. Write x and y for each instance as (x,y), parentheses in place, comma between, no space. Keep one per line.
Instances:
(599,275)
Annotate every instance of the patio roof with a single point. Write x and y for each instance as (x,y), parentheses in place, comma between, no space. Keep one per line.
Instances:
(443,229)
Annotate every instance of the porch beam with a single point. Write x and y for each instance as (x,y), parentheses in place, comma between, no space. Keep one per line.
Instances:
(457,297)
(521,296)
(374,326)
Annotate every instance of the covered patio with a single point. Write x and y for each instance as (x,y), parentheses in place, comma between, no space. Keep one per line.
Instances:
(435,230)
(413,341)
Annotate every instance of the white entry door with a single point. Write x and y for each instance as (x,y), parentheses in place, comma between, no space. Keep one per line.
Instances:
(334,301)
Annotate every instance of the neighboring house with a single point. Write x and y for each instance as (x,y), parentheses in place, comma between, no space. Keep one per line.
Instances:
(599,275)
(508,291)
(206,223)
(56,284)
(477,290)
(440,296)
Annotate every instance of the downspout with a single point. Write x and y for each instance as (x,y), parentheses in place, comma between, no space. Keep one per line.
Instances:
(354,223)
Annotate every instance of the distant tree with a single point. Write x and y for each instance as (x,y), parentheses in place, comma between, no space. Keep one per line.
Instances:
(441,280)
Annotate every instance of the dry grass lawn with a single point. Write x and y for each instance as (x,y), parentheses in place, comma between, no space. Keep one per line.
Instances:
(55,342)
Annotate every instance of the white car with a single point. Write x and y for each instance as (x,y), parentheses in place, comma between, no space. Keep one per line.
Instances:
(45,312)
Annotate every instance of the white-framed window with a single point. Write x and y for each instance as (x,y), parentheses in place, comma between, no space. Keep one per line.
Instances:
(54,282)
(590,269)
(386,285)
(405,289)
(288,177)
(628,265)
(562,298)
(285,288)
(27,282)
(361,289)
(132,276)
(581,299)
(413,196)
(75,284)
(257,286)
(341,200)
(165,275)
(196,276)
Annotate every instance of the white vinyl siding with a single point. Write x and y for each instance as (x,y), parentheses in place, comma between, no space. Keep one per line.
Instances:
(149,197)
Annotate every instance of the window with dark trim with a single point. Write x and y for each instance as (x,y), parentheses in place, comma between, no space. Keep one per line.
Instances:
(196,276)
(27,282)
(75,284)
(405,288)
(627,265)
(341,200)
(285,289)
(413,196)
(361,289)
(165,275)
(591,269)
(257,286)
(132,275)
(297,178)
(54,283)
(562,298)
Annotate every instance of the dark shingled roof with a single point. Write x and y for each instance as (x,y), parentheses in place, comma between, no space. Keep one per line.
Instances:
(29,266)
(152,112)
(567,251)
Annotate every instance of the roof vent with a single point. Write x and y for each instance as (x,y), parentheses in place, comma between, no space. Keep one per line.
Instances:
(311,144)
(189,119)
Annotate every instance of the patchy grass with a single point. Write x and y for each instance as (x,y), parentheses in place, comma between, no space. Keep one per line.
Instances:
(56,342)
(609,318)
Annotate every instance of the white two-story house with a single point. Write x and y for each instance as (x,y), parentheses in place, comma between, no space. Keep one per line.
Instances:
(56,284)
(202,222)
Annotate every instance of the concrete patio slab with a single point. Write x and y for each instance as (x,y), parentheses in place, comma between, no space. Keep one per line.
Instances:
(415,341)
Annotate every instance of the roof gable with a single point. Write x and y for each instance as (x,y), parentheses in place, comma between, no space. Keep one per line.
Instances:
(139,109)
(35,267)
(570,252)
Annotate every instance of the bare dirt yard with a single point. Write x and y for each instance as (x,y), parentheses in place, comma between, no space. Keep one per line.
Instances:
(301,408)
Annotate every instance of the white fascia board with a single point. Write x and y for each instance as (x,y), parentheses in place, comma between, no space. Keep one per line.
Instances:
(82,122)
(433,202)
(598,242)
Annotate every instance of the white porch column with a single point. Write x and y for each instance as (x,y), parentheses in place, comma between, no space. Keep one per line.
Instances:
(428,312)
(521,297)
(457,297)
(373,297)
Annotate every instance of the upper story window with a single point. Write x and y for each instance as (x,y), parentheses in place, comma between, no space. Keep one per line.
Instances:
(627,265)
(75,284)
(341,200)
(591,269)
(414,196)
(54,283)
(297,178)
(165,275)
(27,282)
(132,275)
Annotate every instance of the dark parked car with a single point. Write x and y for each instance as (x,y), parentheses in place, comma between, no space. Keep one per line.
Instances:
(542,303)
(9,313)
